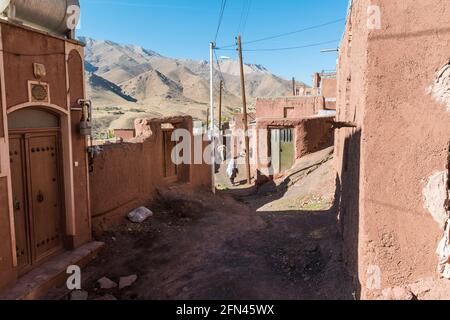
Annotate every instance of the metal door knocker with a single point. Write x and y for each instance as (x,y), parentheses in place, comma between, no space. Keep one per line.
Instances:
(16,204)
(40,197)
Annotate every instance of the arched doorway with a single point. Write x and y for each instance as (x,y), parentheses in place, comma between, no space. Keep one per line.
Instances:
(35,156)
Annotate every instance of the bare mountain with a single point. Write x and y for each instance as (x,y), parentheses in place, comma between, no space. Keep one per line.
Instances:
(128,81)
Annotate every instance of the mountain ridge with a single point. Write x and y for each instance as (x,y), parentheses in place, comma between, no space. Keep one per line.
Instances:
(130,81)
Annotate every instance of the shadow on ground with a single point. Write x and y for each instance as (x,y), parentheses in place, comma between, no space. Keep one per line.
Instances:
(227,247)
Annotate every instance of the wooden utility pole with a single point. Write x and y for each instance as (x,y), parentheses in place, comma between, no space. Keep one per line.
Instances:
(244,105)
(294,92)
(220,105)
(212,129)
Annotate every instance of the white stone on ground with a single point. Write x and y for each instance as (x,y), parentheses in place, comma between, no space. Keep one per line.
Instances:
(106,283)
(127,281)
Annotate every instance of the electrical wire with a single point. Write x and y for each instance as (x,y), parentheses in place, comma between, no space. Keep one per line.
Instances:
(288,33)
(244,15)
(219,24)
(287,48)
(220,70)
(244,23)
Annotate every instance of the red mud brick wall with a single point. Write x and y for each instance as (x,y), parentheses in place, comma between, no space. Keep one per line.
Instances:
(384,165)
(79,147)
(329,92)
(7,272)
(275,108)
(128,175)
(33,47)
(311,135)
(125,134)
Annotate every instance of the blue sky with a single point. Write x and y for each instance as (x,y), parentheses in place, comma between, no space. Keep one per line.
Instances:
(184,28)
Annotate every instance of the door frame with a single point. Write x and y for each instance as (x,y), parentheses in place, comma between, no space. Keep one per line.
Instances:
(26,134)
(66,157)
(174,178)
(269,149)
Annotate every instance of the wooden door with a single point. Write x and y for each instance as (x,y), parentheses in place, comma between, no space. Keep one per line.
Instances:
(286,149)
(21,217)
(282,149)
(275,150)
(44,190)
(37,197)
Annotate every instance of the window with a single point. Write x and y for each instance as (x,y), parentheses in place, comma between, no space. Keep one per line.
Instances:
(30,118)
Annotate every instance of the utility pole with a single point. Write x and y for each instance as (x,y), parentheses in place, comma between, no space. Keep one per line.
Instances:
(211,130)
(294,93)
(220,105)
(244,105)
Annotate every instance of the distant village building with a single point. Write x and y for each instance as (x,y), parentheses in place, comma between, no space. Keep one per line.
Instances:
(125,134)
(294,126)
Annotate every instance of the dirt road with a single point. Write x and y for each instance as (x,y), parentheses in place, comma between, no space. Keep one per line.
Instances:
(199,246)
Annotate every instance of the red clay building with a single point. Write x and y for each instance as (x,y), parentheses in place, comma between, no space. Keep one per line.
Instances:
(393,82)
(287,128)
(44,185)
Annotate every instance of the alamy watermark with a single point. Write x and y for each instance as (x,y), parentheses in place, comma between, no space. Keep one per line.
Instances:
(374,17)
(191,149)
(74,280)
(373,278)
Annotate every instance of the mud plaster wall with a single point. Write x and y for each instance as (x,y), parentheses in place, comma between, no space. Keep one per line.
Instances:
(329,87)
(7,272)
(21,48)
(24,47)
(350,107)
(127,176)
(275,108)
(79,147)
(311,135)
(125,134)
(401,141)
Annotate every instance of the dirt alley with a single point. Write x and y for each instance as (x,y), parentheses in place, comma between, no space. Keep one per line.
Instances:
(236,245)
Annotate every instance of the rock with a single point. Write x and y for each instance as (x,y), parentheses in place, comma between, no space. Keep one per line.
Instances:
(106,283)
(139,215)
(397,293)
(127,281)
(79,295)
(402,294)
(107,297)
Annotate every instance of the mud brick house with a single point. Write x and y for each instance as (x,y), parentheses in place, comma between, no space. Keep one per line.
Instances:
(287,128)
(54,190)
(125,134)
(393,84)
(282,142)
(321,97)
(44,185)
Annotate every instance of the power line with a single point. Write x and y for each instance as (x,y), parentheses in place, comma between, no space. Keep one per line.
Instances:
(219,24)
(244,15)
(244,24)
(286,48)
(219,68)
(289,33)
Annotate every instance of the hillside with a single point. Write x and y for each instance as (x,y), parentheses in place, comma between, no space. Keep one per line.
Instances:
(128,81)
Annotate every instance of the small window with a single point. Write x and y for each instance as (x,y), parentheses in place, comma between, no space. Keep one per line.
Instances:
(30,118)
